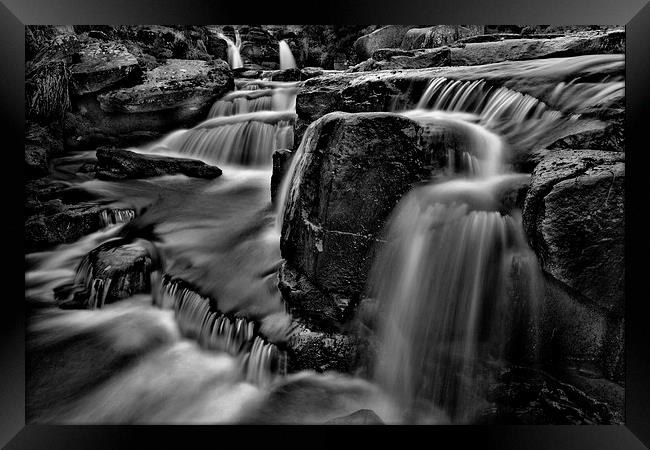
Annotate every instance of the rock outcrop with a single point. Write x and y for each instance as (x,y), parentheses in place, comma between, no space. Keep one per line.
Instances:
(390,36)
(585,43)
(394,59)
(354,170)
(115,164)
(174,95)
(102,64)
(438,35)
(574,218)
(111,272)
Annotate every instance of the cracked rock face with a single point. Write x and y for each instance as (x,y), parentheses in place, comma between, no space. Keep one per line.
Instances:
(354,170)
(102,65)
(574,218)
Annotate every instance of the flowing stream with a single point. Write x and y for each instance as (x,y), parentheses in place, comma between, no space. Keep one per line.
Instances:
(454,279)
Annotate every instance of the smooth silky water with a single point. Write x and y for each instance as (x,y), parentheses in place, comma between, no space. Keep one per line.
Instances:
(455,280)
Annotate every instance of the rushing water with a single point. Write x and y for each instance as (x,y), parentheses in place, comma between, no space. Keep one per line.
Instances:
(234,57)
(455,279)
(287,60)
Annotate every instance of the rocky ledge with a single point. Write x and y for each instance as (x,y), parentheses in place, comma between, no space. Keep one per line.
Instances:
(114,164)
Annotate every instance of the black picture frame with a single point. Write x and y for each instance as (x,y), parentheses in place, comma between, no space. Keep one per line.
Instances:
(634,14)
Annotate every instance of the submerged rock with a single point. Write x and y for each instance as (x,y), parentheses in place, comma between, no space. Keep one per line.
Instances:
(361,417)
(281,163)
(114,164)
(574,219)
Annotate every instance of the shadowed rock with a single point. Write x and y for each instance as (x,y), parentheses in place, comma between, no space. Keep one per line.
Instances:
(354,170)
(281,162)
(574,219)
(114,164)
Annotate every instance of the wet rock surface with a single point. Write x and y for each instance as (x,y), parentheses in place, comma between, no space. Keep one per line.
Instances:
(356,168)
(385,37)
(115,164)
(574,219)
(322,351)
(111,272)
(281,164)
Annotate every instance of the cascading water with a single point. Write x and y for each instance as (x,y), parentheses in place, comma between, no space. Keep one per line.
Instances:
(287,60)
(234,57)
(455,278)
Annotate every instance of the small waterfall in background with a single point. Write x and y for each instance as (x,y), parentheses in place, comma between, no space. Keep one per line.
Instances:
(234,57)
(287,60)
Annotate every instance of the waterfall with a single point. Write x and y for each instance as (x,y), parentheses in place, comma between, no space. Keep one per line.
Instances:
(199,318)
(234,57)
(287,60)
(457,283)
(116,216)
(247,101)
(246,139)
(524,121)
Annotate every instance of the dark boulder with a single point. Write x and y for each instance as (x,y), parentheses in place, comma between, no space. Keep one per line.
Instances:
(191,84)
(574,219)
(115,164)
(527,396)
(354,170)
(113,271)
(281,163)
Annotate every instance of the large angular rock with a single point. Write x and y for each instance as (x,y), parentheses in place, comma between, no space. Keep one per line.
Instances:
(438,35)
(175,95)
(115,164)
(585,43)
(384,59)
(390,36)
(574,218)
(102,64)
(354,169)
(191,84)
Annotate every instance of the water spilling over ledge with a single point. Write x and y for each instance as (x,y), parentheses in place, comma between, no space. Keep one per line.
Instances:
(395,256)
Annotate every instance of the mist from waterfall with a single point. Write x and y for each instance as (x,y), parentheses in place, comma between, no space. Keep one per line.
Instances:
(287,60)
